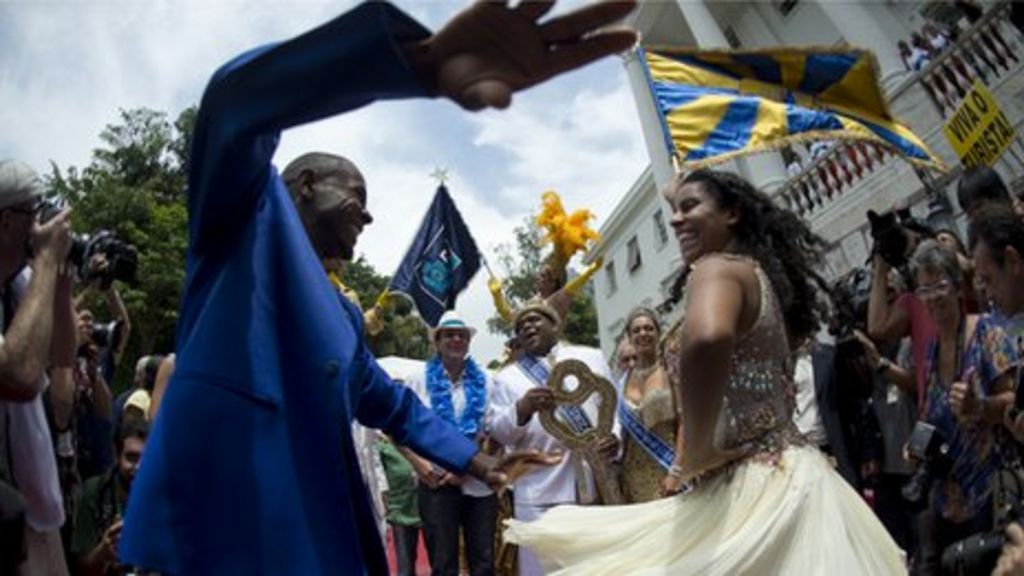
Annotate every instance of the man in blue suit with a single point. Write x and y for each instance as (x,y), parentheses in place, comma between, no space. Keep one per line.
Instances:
(250,467)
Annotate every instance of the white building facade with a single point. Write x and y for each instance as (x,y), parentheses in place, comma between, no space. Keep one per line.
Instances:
(831,191)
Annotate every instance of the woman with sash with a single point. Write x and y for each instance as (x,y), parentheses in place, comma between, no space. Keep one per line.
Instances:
(646,411)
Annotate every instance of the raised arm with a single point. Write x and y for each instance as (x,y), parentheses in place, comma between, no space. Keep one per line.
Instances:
(117,308)
(886,323)
(342,65)
(398,412)
(479,59)
(27,347)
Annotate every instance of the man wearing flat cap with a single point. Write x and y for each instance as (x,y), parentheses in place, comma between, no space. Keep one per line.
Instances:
(519,394)
(38,334)
(457,389)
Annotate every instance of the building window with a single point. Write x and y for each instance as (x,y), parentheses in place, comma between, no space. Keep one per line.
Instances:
(785,7)
(660,231)
(633,260)
(609,275)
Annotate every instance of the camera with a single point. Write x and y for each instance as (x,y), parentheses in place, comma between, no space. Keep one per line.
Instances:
(975,554)
(893,233)
(122,258)
(978,553)
(930,447)
(106,335)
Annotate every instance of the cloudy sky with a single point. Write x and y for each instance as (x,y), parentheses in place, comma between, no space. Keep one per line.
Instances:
(69,66)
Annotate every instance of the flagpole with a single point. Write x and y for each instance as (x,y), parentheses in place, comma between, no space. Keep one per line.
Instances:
(487,266)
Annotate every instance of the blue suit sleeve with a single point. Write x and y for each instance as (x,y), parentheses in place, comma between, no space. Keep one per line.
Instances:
(398,411)
(347,63)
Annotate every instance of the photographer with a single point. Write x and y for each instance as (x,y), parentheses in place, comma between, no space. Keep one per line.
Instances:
(893,406)
(37,322)
(906,315)
(969,370)
(111,338)
(102,502)
(91,426)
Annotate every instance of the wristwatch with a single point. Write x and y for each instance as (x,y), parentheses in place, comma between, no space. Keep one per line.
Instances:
(883,366)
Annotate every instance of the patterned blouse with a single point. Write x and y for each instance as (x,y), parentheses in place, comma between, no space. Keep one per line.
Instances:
(976,447)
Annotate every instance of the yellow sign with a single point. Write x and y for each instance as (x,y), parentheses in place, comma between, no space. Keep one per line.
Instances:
(979,131)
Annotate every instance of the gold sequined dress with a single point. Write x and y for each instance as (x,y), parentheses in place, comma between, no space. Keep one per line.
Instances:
(641,473)
(783,510)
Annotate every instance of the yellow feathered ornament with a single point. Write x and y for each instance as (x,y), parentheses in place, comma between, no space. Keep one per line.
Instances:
(568,233)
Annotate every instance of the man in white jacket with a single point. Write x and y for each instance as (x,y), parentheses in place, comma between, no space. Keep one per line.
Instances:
(521,393)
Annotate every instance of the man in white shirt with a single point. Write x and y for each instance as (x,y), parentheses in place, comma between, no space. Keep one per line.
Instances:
(521,393)
(460,391)
(38,332)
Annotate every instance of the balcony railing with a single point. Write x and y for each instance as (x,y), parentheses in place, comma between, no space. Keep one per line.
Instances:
(832,174)
(984,52)
(988,51)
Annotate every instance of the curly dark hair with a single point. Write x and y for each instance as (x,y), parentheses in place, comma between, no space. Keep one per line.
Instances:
(780,242)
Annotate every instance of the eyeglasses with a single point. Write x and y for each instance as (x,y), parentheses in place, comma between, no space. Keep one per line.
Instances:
(936,290)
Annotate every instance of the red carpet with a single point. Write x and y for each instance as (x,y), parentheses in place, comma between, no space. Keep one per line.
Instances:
(422,564)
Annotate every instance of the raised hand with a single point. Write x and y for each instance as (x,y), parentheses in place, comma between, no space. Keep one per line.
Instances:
(963,398)
(53,239)
(535,400)
(491,50)
(607,447)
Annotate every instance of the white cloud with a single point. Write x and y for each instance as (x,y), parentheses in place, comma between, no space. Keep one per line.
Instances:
(587,146)
(69,66)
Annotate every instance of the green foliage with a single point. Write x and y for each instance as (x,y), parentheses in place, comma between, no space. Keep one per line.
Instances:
(581,322)
(520,269)
(134,186)
(404,334)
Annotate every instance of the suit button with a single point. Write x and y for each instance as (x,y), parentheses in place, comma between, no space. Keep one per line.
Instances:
(332,368)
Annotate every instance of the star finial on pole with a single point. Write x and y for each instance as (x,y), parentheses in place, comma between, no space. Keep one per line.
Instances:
(440,174)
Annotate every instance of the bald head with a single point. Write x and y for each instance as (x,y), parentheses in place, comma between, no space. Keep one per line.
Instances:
(330,195)
(317,165)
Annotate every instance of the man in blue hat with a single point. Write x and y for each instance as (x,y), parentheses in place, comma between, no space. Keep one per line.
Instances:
(250,467)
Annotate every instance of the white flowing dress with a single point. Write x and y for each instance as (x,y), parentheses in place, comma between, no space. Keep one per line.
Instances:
(784,510)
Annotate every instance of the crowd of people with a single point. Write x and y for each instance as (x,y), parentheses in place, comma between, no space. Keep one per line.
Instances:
(782,424)
(68,447)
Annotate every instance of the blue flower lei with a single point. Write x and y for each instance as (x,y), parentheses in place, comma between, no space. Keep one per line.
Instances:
(440,389)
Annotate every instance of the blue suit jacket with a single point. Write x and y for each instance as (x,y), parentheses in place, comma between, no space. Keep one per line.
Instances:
(250,468)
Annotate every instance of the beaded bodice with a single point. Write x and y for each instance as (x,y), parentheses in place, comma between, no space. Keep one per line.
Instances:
(641,474)
(759,399)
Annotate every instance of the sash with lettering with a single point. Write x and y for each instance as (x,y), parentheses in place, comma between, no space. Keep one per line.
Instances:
(574,416)
(655,447)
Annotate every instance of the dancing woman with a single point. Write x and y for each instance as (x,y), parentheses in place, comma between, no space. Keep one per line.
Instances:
(646,411)
(763,501)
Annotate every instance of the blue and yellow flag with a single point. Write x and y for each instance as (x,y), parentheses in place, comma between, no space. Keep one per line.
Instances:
(716,105)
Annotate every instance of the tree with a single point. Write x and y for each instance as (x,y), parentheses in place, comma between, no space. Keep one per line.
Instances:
(134,186)
(521,268)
